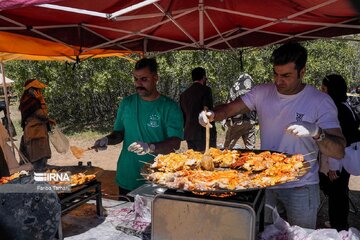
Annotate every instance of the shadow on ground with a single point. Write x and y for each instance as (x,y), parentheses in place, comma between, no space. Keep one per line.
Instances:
(80,220)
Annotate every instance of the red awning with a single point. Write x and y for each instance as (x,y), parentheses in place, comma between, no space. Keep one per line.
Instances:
(163,25)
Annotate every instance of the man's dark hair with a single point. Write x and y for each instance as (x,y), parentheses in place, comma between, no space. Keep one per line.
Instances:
(147,63)
(357,89)
(198,73)
(288,53)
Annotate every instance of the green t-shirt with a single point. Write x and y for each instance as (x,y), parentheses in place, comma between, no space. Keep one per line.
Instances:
(146,121)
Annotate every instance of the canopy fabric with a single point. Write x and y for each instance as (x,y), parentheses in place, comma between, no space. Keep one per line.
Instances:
(164,25)
(8,4)
(19,47)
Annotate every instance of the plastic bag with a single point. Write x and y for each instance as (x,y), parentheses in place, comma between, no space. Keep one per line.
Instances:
(352,234)
(59,140)
(142,207)
(281,230)
(351,161)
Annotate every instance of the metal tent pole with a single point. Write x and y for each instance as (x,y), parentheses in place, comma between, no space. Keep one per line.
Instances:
(7,106)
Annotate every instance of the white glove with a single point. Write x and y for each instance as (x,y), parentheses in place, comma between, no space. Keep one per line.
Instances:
(206,118)
(303,129)
(101,144)
(140,148)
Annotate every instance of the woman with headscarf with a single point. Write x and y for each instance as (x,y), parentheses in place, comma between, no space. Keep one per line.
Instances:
(35,122)
(334,179)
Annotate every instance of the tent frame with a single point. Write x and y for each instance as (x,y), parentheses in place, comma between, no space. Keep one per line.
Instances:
(202,9)
(7,115)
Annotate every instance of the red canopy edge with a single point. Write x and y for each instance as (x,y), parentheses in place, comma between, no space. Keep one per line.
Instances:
(9,4)
(166,25)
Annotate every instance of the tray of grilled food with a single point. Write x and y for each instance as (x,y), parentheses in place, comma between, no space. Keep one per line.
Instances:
(79,175)
(14,178)
(230,171)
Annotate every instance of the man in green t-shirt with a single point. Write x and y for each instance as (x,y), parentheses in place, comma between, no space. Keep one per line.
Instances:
(148,123)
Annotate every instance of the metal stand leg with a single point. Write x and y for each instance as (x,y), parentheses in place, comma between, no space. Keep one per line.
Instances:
(261,210)
(262,218)
(60,233)
(99,208)
(322,203)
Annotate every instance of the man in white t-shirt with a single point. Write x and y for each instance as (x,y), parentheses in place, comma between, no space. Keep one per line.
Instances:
(293,118)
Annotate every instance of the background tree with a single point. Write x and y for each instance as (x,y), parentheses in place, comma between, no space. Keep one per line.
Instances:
(86,95)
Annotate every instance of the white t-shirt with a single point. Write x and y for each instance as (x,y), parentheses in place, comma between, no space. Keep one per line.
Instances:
(276,111)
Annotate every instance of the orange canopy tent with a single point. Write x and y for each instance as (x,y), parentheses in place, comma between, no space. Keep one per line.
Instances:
(20,47)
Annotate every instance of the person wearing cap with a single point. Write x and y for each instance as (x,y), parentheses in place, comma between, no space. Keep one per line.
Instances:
(147,122)
(35,145)
(192,101)
(241,125)
(294,118)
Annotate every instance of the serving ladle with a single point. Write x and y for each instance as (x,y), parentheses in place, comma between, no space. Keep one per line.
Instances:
(207,161)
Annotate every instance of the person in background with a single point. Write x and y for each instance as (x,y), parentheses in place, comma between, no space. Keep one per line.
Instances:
(35,145)
(354,101)
(334,179)
(241,125)
(147,123)
(192,101)
(294,118)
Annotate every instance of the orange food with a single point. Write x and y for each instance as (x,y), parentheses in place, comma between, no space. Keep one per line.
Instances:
(4,180)
(184,171)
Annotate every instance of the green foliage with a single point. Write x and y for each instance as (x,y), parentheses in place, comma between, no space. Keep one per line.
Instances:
(82,97)
(329,57)
(86,96)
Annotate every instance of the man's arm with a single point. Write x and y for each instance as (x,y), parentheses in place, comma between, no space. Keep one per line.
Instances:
(332,143)
(167,146)
(164,147)
(115,137)
(233,108)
